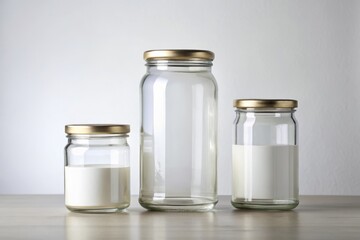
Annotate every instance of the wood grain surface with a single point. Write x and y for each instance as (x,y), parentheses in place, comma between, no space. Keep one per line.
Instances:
(45,217)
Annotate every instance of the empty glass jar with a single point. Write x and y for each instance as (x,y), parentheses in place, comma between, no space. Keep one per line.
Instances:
(97,168)
(178,131)
(265,154)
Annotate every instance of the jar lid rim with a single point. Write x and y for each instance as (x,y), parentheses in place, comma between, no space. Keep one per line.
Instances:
(93,129)
(178,54)
(265,103)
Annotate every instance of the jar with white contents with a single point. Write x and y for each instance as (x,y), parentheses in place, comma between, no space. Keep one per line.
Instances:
(265,154)
(97,168)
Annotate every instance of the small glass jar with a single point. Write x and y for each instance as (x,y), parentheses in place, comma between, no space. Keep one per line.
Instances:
(97,168)
(265,154)
(178,150)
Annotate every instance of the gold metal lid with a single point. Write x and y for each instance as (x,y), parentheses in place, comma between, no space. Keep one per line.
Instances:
(265,103)
(178,54)
(93,129)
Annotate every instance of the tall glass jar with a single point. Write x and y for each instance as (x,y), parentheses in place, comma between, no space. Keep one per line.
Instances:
(178,131)
(265,154)
(97,168)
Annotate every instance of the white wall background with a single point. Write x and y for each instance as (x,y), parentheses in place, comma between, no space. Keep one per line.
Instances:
(81,62)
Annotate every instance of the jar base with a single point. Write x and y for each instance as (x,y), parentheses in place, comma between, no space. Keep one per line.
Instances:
(263,204)
(97,209)
(179,204)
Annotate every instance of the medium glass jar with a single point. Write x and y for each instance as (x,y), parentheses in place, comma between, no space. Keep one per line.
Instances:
(97,168)
(178,131)
(265,154)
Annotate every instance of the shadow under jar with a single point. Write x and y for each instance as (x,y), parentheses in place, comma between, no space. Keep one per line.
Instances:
(97,168)
(178,131)
(265,155)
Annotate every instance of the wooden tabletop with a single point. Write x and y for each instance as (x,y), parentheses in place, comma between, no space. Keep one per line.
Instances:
(45,217)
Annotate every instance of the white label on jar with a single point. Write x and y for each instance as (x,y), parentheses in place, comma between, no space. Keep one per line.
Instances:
(97,186)
(264,172)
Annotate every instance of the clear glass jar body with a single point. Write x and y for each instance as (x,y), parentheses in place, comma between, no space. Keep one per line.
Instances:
(97,173)
(178,151)
(265,159)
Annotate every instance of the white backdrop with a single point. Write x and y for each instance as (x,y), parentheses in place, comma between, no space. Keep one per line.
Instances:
(81,62)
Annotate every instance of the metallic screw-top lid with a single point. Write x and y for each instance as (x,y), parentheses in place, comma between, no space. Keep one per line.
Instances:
(178,54)
(265,103)
(93,129)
